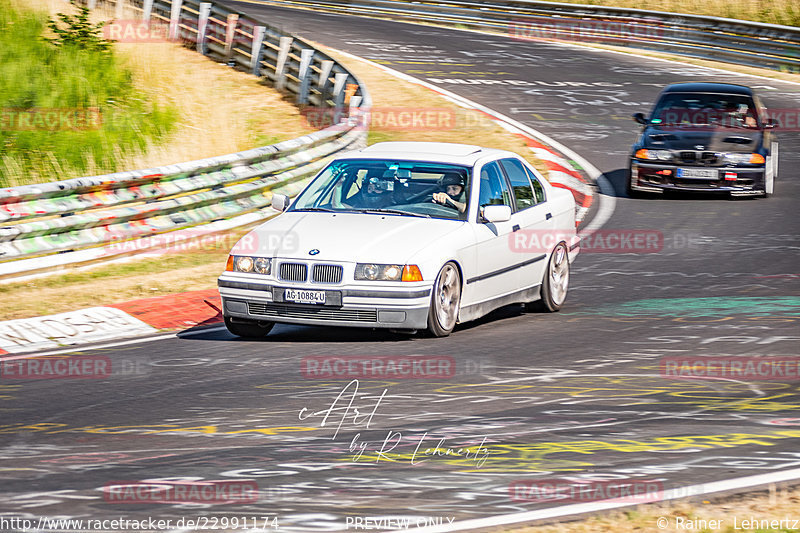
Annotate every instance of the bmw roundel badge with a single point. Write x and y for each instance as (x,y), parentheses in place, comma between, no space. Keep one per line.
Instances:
(313,251)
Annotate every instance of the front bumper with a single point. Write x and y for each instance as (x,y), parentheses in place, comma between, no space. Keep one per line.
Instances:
(658,177)
(398,307)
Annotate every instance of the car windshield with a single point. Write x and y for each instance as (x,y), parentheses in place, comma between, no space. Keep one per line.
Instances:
(403,188)
(705,109)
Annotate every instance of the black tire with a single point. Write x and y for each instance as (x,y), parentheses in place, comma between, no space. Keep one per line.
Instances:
(248,329)
(445,301)
(555,282)
(628,188)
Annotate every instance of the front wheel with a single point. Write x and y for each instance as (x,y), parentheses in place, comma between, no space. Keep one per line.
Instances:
(248,329)
(445,301)
(555,283)
(771,171)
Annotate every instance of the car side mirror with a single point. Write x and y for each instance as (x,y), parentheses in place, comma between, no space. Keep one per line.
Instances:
(280,202)
(496,213)
(770,123)
(639,117)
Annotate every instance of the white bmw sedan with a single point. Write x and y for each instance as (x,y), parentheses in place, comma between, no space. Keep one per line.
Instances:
(407,236)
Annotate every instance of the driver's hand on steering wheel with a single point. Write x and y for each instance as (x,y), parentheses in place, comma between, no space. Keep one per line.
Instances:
(441,198)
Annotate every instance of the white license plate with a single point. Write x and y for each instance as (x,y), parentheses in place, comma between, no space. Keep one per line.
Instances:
(304,297)
(698,173)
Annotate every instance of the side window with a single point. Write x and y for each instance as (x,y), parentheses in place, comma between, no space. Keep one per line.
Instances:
(494,190)
(538,189)
(523,193)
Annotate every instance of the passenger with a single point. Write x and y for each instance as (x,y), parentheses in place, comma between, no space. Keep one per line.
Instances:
(371,196)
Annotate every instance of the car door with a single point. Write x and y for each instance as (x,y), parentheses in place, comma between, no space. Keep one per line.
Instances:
(532,220)
(495,274)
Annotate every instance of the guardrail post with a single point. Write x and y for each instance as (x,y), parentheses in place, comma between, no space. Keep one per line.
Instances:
(230,33)
(118,12)
(202,26)
(280,66)
(338,95)
(258,43)
(147,10)
(306,56)
(324,83)
(175,19)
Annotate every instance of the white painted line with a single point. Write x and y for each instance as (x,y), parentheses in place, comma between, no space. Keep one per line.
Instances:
(583,46)
(83,326)
(178,335)
(604,505)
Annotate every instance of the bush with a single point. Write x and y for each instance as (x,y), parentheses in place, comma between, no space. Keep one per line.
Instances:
(80,76)
(79,31)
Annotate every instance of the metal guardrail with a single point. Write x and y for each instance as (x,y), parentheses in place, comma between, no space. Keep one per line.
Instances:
(73,215)
(734,41)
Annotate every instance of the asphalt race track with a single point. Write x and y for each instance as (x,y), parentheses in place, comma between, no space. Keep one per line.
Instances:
(579,395)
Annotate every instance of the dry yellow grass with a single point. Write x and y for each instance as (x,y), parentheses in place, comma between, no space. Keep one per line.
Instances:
(771,11)
(221,110)
(775,505)
(33,299)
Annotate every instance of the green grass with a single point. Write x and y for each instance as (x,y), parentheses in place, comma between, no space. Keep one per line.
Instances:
(34,74)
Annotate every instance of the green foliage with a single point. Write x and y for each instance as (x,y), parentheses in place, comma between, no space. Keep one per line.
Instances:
(66,83)
(79,31)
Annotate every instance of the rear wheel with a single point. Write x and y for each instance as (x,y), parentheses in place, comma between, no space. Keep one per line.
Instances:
(247,328)
(445,301)
(555,283)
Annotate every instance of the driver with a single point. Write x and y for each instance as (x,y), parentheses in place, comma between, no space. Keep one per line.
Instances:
(453,185)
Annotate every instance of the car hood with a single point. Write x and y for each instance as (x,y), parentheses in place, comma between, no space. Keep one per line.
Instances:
(711,139)
(344,236)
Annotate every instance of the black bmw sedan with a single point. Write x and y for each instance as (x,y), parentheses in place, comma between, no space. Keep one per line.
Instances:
(705,137)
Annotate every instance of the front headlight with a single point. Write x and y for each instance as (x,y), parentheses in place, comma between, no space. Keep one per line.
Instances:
(245,263)
(660,155)
(739,158)
(377,272)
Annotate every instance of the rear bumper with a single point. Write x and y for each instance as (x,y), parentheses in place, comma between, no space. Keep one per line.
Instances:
(738,181)
(396,308)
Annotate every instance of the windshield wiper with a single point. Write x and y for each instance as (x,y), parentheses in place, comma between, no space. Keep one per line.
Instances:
(323,209)
(393,212)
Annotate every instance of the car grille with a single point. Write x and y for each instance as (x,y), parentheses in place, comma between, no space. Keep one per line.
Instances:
(697,157)
(317,313)
(293,272)
(327,273)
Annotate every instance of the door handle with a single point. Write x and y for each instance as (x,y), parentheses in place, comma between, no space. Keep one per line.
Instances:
(515,227)
(548,216)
